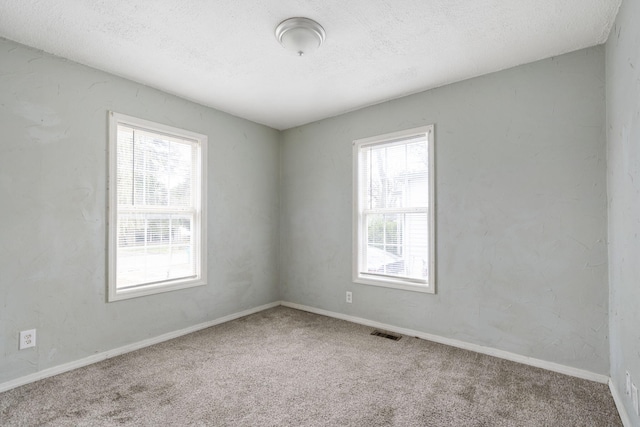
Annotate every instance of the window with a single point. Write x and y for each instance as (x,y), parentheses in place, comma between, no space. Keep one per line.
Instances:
(157,200)
(394,240)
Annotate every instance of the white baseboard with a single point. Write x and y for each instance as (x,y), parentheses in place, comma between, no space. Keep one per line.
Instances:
(555,367)
(624,415)
(550,366)
(49,372)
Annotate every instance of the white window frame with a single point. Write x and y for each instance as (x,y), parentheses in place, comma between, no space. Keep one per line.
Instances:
(200,211)
(359,226)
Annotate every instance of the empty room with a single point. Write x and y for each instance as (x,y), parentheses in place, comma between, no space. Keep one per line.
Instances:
(282,213)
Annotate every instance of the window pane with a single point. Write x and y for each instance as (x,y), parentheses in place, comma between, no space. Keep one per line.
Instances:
(375,229)
(416,245)
(153,248)
(376,184)
(397,175)
(125,166)
(393,230)
(154,170)
(180,167)
(397,245)
(416,188)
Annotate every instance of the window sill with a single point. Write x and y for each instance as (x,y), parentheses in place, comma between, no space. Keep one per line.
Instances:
(394,284)
(123,294)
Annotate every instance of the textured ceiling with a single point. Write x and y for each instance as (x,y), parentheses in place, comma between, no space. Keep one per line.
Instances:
(223,53)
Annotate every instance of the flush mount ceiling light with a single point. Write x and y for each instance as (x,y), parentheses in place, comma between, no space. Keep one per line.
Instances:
(300,35)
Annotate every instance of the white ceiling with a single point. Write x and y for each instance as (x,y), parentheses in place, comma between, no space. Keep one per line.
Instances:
(223,53)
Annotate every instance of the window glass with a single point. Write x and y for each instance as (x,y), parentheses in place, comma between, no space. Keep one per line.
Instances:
(393,182)
(156,209)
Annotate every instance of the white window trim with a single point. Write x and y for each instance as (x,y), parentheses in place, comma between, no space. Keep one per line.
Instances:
(390,282)
(200,222)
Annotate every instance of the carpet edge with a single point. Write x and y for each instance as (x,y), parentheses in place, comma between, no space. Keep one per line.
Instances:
(490,351)
(85,361)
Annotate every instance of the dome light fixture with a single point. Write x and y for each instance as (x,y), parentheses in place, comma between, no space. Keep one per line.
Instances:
(300,35)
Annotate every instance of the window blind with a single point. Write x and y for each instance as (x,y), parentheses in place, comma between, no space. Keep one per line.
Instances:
(394,200)
(155,207)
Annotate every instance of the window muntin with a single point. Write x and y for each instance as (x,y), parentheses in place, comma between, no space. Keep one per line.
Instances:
(156,209)
(393,210)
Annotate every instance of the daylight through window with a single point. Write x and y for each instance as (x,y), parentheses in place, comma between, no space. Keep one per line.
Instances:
(156,208)
(393,184)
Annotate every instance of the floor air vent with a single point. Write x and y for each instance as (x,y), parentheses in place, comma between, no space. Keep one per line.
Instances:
(389,335)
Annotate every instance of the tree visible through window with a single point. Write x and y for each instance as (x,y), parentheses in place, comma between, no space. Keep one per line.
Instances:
(393,242)
(156,208)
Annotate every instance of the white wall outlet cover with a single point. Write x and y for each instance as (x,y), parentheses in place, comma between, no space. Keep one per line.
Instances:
(628,383)
(634,397)
(349,297)
(27,339)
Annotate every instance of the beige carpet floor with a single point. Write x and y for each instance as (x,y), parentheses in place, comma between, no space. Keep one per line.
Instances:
(284,367)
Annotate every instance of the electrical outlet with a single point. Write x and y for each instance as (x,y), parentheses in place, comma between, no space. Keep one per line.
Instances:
(349,297)
(628,388)
(634,397)
(27,339)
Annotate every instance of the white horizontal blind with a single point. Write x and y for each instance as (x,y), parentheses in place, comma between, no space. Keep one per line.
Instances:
(156,207)
(394,201)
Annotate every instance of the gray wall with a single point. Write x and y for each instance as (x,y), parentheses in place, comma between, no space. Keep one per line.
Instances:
(521,212)
(53,141)
(623,157)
